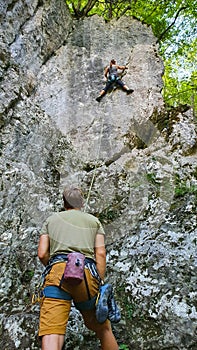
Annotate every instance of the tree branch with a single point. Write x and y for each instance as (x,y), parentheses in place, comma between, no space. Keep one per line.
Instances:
(74,9)
(125,10)
(88,7)
(173,22)
(78,6)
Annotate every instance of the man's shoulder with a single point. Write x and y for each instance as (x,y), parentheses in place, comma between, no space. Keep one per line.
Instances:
(52,216)
(67,214)
(87,215)
(91,217)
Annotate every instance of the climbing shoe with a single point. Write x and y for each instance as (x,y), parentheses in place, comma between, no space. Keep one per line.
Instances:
(102,302)
(98,99)
(114,314)
(129,91)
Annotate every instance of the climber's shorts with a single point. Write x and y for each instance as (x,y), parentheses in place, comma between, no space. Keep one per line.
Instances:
(54,312)
(109,83)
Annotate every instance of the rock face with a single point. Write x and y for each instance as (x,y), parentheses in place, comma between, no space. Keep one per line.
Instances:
(135,161)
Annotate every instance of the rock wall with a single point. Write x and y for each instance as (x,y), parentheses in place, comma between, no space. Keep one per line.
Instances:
(135,161)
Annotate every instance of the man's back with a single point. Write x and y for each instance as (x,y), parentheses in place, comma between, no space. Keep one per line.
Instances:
(72,230)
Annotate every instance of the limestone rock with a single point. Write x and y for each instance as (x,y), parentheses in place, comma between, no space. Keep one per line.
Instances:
(135,161)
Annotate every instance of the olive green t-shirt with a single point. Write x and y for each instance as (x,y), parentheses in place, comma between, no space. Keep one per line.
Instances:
(72,230)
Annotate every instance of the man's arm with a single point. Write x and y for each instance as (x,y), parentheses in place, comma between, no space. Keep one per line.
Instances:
(122,67)
(43,249)
(100,255)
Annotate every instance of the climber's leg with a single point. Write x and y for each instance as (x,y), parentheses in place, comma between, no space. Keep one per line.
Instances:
(124,87)
(103,91)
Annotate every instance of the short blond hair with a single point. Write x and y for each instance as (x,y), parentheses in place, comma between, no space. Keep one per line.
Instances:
(73,198)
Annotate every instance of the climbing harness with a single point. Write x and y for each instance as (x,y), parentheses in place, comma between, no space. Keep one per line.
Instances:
(37,295)
(114,79)
(56,291)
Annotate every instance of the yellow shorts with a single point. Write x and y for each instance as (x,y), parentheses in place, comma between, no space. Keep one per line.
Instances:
(54,313)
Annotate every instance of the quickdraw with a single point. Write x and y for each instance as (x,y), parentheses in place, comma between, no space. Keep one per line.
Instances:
(36,297)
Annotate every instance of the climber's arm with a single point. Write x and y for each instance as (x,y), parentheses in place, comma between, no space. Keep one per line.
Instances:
(122,67)
(106,71)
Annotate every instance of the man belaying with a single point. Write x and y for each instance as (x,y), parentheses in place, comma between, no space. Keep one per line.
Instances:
(113,78)
(63,235)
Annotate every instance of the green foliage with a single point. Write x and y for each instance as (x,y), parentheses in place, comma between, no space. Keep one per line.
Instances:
(81,8)
(108,8)
(129,308)
(151,177)
(182,188)
(27,276)
(108,215)
(174,24)
(123,347)
(180,78)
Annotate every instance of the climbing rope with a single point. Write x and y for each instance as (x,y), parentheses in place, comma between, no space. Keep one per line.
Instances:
(94,172)
(99,146)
